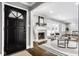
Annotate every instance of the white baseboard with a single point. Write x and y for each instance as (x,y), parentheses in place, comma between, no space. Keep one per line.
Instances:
(0,54)
(27,47)
(31,46)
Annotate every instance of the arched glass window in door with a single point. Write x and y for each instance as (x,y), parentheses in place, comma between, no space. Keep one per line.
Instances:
(15,14)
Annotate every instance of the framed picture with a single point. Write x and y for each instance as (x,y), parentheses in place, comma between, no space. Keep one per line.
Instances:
(40,20)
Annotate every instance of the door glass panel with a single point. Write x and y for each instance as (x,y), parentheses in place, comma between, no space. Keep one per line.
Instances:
(19,14)
(21,17)
(12,15)
(15,14)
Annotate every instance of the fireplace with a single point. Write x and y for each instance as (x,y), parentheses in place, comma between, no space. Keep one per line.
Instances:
(41,35)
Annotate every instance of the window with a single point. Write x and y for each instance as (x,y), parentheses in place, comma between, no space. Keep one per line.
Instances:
(15,14)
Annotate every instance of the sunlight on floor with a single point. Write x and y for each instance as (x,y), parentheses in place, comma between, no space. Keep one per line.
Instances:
(21,53)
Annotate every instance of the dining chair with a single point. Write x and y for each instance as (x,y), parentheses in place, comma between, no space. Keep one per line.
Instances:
(60,41)
(73,42)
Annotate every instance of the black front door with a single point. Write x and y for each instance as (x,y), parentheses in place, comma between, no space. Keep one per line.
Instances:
(15,30)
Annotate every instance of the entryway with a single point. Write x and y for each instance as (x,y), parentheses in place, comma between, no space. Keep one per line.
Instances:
(14,29)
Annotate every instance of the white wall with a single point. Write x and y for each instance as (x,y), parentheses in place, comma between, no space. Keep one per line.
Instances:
(73,27)
(0,28)
(53,26)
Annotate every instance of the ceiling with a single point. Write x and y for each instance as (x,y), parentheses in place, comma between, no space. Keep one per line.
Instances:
(28,3)
(62,11)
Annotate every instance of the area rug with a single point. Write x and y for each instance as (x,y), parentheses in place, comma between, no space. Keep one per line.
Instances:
(52,45)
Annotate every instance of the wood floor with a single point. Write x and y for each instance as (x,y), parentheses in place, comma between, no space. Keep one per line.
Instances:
(37,51)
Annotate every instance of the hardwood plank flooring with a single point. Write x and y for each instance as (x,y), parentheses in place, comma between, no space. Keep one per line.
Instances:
(37,51)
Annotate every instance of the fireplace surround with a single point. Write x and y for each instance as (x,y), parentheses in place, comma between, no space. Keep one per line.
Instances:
(40,34)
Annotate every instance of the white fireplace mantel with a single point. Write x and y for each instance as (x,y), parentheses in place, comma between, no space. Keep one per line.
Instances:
(40,29)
